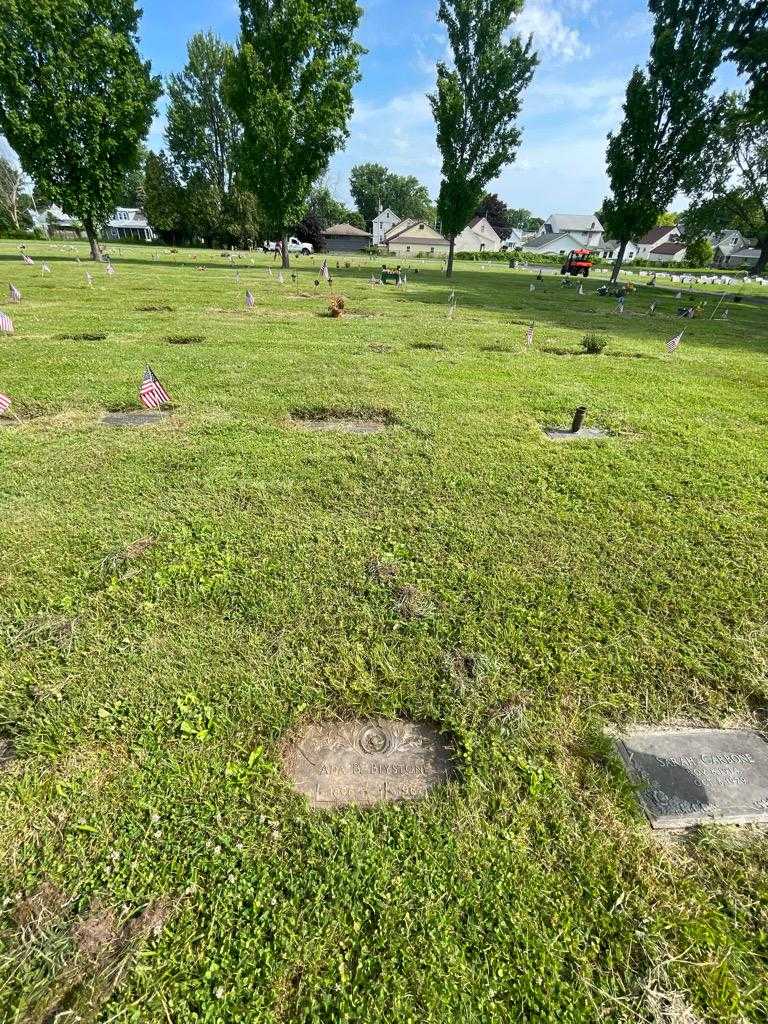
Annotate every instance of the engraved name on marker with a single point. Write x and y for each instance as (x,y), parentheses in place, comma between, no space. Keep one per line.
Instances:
(366,762)
(694,776)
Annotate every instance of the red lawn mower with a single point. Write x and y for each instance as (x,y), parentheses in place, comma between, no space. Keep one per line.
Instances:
(579,261)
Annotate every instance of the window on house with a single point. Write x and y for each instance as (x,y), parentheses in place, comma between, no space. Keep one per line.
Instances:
(421,227)
(407,248)
(432,249)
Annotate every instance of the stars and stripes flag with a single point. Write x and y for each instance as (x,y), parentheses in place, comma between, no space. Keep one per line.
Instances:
(269,271)
(324,272)
(45,269)
(532,288)
(5,404)
(27,259)
(652,310)
(529,336)
(674,343)
(152,394)
(620,307)
(6,324)
(249,300)
(15,294)
(280,278)
(88,279)
(678,295)
(451,310)
(581,289)
(110,269)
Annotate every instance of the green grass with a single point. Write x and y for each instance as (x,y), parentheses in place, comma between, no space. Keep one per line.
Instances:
(146,686)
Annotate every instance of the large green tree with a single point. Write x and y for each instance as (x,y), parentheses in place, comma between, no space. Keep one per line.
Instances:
(290,84)
(731,189)
(75,100)
(668,117)
(163,196)
(477,104)
(497,213)
(374,187)
(748,47)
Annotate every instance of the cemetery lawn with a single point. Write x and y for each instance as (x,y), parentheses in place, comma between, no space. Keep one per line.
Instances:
(174,598)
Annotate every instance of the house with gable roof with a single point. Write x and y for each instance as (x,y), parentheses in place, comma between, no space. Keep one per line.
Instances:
(383,222)
(478,236)
(412,236)
(585,228)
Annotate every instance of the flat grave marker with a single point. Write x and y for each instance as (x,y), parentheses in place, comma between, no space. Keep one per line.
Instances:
(134,419)
(334,764)
(577,431)
(698,776)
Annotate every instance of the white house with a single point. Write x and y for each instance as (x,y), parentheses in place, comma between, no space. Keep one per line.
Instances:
(609,250)
(668,252)
(559,244)
(515,239)
(654,237)
(128,222)
(585,227)
(382,223)
(727,244)
(477,236)
(53,220)
(412,236)
(745,258)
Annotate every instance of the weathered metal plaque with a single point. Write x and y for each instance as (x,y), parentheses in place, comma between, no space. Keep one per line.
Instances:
(366,762)
(694,776)
(585,434)
(133,419)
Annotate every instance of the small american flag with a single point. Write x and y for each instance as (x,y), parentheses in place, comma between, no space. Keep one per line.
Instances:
(269,271)
(249,300)
(27,259)
(678,295)
(152,394)
(674,343)
(6,324)
(532,288)
(237,276)
(652,310)
(529,336)
(280,279)
(620,307)
(581,289)
(45,269)
(110,269)
(451,310)
(88,279)
(5,404)
(324,272)
(15,294)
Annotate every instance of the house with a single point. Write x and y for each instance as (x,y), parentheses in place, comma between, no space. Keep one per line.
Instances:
(346,238)
(585,227)
(559,244)
(726,243)
(382,223)
(745,257)
(656,236)
(668,252)
(128,222)
(55,223)
(609,250)
(477,236)
(515,240)
(411,236)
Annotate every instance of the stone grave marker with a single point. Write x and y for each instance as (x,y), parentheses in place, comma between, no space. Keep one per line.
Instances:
(694,776)
(366,762)
(577,430)
(134,419)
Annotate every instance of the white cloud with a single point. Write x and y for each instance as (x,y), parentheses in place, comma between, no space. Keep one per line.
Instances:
(550,33)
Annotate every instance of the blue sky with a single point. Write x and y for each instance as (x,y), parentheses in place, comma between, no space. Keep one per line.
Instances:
(587,51)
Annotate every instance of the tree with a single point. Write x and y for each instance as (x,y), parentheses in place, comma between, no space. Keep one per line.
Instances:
(75,100)
(132,192)
(477,103)
(203,132)
(290,85)
(668,219)
(523,219)
(374,187)
(497,213)
(14,198)
(748,47)
(667,117)
(326,208)
(731,190)
(699,253)
(163,196)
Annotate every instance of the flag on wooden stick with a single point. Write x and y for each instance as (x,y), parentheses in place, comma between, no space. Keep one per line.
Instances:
(88,279)
(581,289)
(152,394)
(652,310)
(5,404)
(324,271)
(6,324)
(27,259)
(529,335)
(45,269)
(110,269)
(249,300)
(532,288)
(674,343)
(15,294)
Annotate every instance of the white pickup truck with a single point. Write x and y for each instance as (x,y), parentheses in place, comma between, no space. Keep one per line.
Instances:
(294,245)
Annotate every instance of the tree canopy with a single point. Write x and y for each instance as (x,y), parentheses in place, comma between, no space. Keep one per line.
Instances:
(668,117)
(76,99)
(290,85)
(374,187)
(477,103)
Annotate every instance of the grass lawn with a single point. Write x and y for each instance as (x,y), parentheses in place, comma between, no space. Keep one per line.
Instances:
(174,598)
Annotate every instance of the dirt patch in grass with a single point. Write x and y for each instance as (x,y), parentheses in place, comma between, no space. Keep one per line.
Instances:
(119,561)
(497,348)
(24,412)
(95,934)
(161,308)
(377,347)
(412,603)
(45,630)
(184,339)
(7,754)
(343,421)
(553,350)
(37,912)
(83,336)
(383,572)
(435,345)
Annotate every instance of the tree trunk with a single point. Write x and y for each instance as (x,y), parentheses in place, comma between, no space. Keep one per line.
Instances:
(762,259)
(90,233)
(619,260)
(449,264)
(286,255)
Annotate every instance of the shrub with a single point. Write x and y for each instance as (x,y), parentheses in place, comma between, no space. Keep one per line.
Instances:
(594,343)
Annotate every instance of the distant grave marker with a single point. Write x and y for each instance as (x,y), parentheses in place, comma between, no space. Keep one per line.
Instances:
(695,776)
(334,764)
(367,421)
(577,432)
(130,418)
